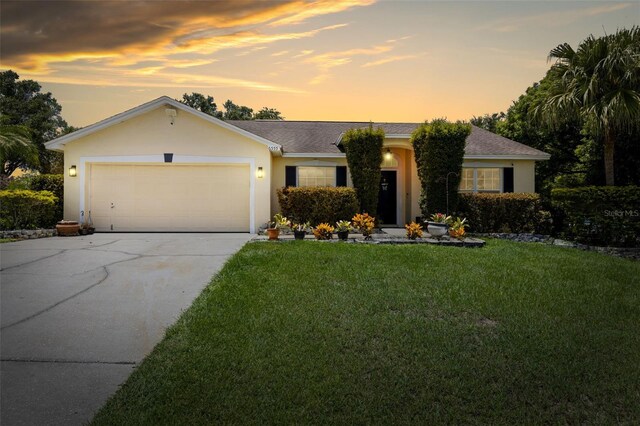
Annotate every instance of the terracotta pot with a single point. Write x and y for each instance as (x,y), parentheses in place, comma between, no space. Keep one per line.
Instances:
(273,233)
(67,228)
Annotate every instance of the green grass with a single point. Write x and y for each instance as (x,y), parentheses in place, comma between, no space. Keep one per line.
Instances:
(306,332)
(7,240)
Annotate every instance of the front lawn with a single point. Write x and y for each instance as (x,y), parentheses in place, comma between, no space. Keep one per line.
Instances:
(304,332)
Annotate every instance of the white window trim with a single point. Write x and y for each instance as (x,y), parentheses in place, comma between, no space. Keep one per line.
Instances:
(475,182)
(177,159)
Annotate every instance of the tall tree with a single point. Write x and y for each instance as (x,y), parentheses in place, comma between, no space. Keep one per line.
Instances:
(268,114)
(23,104)
(202,103)
(237,112)
(598,83)
(488,121)
(16,149)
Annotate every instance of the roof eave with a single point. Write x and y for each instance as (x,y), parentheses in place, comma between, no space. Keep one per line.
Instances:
(58,143)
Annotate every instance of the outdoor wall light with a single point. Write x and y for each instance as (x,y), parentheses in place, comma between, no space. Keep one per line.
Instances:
(260,173)
(72,171)
(388,156)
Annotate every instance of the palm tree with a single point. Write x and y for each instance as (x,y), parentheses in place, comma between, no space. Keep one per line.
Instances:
(599,83)
(16,149)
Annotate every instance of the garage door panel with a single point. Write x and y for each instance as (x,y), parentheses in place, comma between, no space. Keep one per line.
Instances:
(170,197)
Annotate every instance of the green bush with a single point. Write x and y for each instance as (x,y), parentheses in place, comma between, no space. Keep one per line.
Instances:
(318,204)
(54,184)
(599,215)
(439,151)
(25,209)
(512,212)
(363,148)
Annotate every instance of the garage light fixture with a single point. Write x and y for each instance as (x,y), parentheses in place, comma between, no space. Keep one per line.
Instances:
(260,173)
(72,171)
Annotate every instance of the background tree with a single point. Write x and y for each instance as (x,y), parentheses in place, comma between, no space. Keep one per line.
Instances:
(23,104)
(202,103)
(16,149)
(363,148)
(598,84)
(268,114)
(237,112)
(488,121)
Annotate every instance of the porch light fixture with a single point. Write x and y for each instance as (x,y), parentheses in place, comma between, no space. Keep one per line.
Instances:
(72,171)
(260,173)
(388,156)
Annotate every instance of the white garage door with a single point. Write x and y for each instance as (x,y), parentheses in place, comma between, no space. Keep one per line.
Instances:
(169,197)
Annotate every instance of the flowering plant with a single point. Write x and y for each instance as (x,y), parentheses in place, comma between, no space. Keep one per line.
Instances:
(364,223)
(457,228)
(414,230)
(343,225)
(324,231)
(440,218)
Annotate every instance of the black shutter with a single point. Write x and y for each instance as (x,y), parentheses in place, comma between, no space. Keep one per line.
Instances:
(341,176)
(290,176)
(507,175)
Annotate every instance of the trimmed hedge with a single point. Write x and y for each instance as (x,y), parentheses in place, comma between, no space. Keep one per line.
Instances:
(512,212)
(25,209)
(52,183)
(363,148)
(318,204)
(599,215)
(439,152)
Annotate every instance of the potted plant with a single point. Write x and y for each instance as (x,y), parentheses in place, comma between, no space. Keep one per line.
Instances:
(324,231)
(300,230)
(67,228)
(414,230)
(438,225)
(279,222)
(364,223)
(342,228)
(457,228)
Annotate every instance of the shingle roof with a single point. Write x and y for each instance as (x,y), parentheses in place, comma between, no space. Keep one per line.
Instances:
(322,136)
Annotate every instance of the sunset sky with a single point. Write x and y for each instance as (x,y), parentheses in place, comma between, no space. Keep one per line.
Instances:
(312,60)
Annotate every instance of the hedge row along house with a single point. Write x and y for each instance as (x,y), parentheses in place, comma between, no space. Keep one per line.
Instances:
(166,167)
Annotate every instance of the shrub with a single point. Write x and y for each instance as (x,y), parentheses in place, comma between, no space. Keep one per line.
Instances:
(414,230)
(324,231)
(318,204)
(25,209)
(364,223)
(363,148)
(511,212)
(54,184)
(439,152)
(599,215)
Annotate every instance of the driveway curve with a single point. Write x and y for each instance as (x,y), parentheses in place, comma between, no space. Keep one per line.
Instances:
(77,314)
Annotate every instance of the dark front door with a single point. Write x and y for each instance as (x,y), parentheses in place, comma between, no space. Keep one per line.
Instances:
(387,198)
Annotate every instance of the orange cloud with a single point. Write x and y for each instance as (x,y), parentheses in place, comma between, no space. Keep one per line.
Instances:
(389,59)
(326,61)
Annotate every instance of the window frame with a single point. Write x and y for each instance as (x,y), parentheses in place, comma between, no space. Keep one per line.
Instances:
(335,177)
(475,189)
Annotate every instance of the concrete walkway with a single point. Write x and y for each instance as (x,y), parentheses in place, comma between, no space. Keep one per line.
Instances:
(79,313)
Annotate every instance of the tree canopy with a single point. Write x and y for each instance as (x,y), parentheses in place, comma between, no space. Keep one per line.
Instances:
(599,85)
(232,111)
(23,104)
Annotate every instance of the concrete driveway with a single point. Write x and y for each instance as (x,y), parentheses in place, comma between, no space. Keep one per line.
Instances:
(79,313)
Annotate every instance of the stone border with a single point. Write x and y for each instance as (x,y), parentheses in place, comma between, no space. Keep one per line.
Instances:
(624,252)
(28,234)
(385,239)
